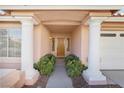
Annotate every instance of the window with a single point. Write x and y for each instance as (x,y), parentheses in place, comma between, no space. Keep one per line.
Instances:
(68,41)
(121,35)
(3,42)
(53,44)
(108,35)
(10,42)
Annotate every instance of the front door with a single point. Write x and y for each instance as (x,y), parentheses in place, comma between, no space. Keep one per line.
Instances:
(60,47)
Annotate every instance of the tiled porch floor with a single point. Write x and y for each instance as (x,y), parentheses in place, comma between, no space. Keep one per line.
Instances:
(59,78)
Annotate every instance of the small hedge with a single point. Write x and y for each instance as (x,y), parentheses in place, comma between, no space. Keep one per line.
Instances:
(73,65)
(45,65)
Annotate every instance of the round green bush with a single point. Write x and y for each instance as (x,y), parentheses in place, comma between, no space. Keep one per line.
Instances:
(51,57)
(45,65)
(73,65)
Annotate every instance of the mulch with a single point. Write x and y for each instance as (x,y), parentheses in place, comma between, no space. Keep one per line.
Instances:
(79,82)
(41,82)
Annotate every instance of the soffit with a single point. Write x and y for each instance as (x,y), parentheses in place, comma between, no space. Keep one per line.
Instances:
(61,15)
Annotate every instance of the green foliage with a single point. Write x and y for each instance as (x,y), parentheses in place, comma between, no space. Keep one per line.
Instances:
(45,65)
(70,58)
(51,57)
(74,67)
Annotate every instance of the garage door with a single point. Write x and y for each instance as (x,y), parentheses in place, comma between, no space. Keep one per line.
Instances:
(112,50)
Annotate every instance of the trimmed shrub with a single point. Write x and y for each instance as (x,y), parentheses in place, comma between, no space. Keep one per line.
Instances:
(70,58)
(45,65)
(51,57)
(73,65)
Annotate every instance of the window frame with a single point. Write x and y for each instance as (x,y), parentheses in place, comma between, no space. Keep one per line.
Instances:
(121,34)
(68,44)
(7,36)
(53,44)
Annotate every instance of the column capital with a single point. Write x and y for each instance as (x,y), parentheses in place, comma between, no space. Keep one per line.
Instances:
(27,19)
(34,19)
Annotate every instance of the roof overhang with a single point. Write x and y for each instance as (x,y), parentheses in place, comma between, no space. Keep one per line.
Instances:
(61,7)
(104,19)
(19,18)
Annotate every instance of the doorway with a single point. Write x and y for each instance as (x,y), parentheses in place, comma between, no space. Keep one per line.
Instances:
(60,47)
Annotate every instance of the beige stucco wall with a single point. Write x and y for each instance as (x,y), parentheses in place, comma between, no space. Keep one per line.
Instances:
(63,35)
(41,41)
(76,42)
(80,36)
(84,43)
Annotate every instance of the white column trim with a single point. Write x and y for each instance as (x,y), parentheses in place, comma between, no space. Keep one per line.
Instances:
(93,74)
(27,38)
(27,57)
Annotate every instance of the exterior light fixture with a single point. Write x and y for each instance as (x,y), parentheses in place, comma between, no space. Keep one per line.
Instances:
(119,12)
(50,38)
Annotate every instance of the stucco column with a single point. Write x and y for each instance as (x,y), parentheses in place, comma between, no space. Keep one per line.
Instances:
(27,51)
(93,74)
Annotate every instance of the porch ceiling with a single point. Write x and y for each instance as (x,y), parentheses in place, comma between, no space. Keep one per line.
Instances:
(61,15)
(63,21)
(61,28)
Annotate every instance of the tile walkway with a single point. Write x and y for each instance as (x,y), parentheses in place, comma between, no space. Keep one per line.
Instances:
(59,78)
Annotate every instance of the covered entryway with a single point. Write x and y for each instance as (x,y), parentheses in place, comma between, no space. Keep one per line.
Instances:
(64,31)
(81,33)
(112,50)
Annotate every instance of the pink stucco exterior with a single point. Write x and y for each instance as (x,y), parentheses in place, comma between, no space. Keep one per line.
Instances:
(41,41)
(76,42)
(80,36)
(85,43)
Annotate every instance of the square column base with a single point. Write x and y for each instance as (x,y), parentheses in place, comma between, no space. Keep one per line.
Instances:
(33,80)
(94,79)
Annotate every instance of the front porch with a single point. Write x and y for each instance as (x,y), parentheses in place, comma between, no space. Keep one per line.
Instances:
(75,32)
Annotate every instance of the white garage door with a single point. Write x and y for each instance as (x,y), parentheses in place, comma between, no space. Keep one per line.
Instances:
(112,50)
